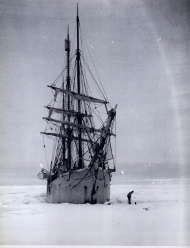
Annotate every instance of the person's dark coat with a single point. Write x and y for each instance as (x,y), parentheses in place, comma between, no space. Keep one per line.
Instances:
(129,196)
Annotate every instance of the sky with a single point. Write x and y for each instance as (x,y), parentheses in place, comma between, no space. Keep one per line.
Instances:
(141,52)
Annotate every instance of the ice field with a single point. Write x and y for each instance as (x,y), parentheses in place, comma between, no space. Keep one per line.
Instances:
(161,216)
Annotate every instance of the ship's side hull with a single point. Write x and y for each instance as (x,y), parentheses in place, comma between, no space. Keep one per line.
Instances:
(79,187)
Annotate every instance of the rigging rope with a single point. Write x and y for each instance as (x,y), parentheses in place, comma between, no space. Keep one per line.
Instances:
(106,98)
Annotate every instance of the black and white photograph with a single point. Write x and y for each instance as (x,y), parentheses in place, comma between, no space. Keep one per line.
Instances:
(95,122)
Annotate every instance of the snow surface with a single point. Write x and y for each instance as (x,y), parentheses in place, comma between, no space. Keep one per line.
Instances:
(160,217)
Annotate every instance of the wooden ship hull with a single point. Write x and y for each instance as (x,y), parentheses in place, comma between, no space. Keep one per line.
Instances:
(68,188)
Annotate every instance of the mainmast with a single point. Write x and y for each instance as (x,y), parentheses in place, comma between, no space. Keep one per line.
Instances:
(68,80)
(79,91)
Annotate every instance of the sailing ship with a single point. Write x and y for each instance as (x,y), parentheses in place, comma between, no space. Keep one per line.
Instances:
(82,160)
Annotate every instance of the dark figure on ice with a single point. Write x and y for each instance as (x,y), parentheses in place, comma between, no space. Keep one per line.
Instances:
(129,196)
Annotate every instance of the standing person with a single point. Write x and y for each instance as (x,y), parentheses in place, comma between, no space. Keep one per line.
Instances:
(129,196)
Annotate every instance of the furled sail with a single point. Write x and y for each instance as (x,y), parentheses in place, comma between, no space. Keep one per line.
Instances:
(67,112)
(88,129)
(55,134)
(65,136)
(77,96)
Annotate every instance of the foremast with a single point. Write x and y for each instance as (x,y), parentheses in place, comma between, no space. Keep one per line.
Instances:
(80,162)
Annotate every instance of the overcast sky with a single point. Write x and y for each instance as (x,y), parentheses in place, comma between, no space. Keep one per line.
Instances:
(142,55)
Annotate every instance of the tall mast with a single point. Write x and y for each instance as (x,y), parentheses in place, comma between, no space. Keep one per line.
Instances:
(67,49)
(78,86)
(62,131)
